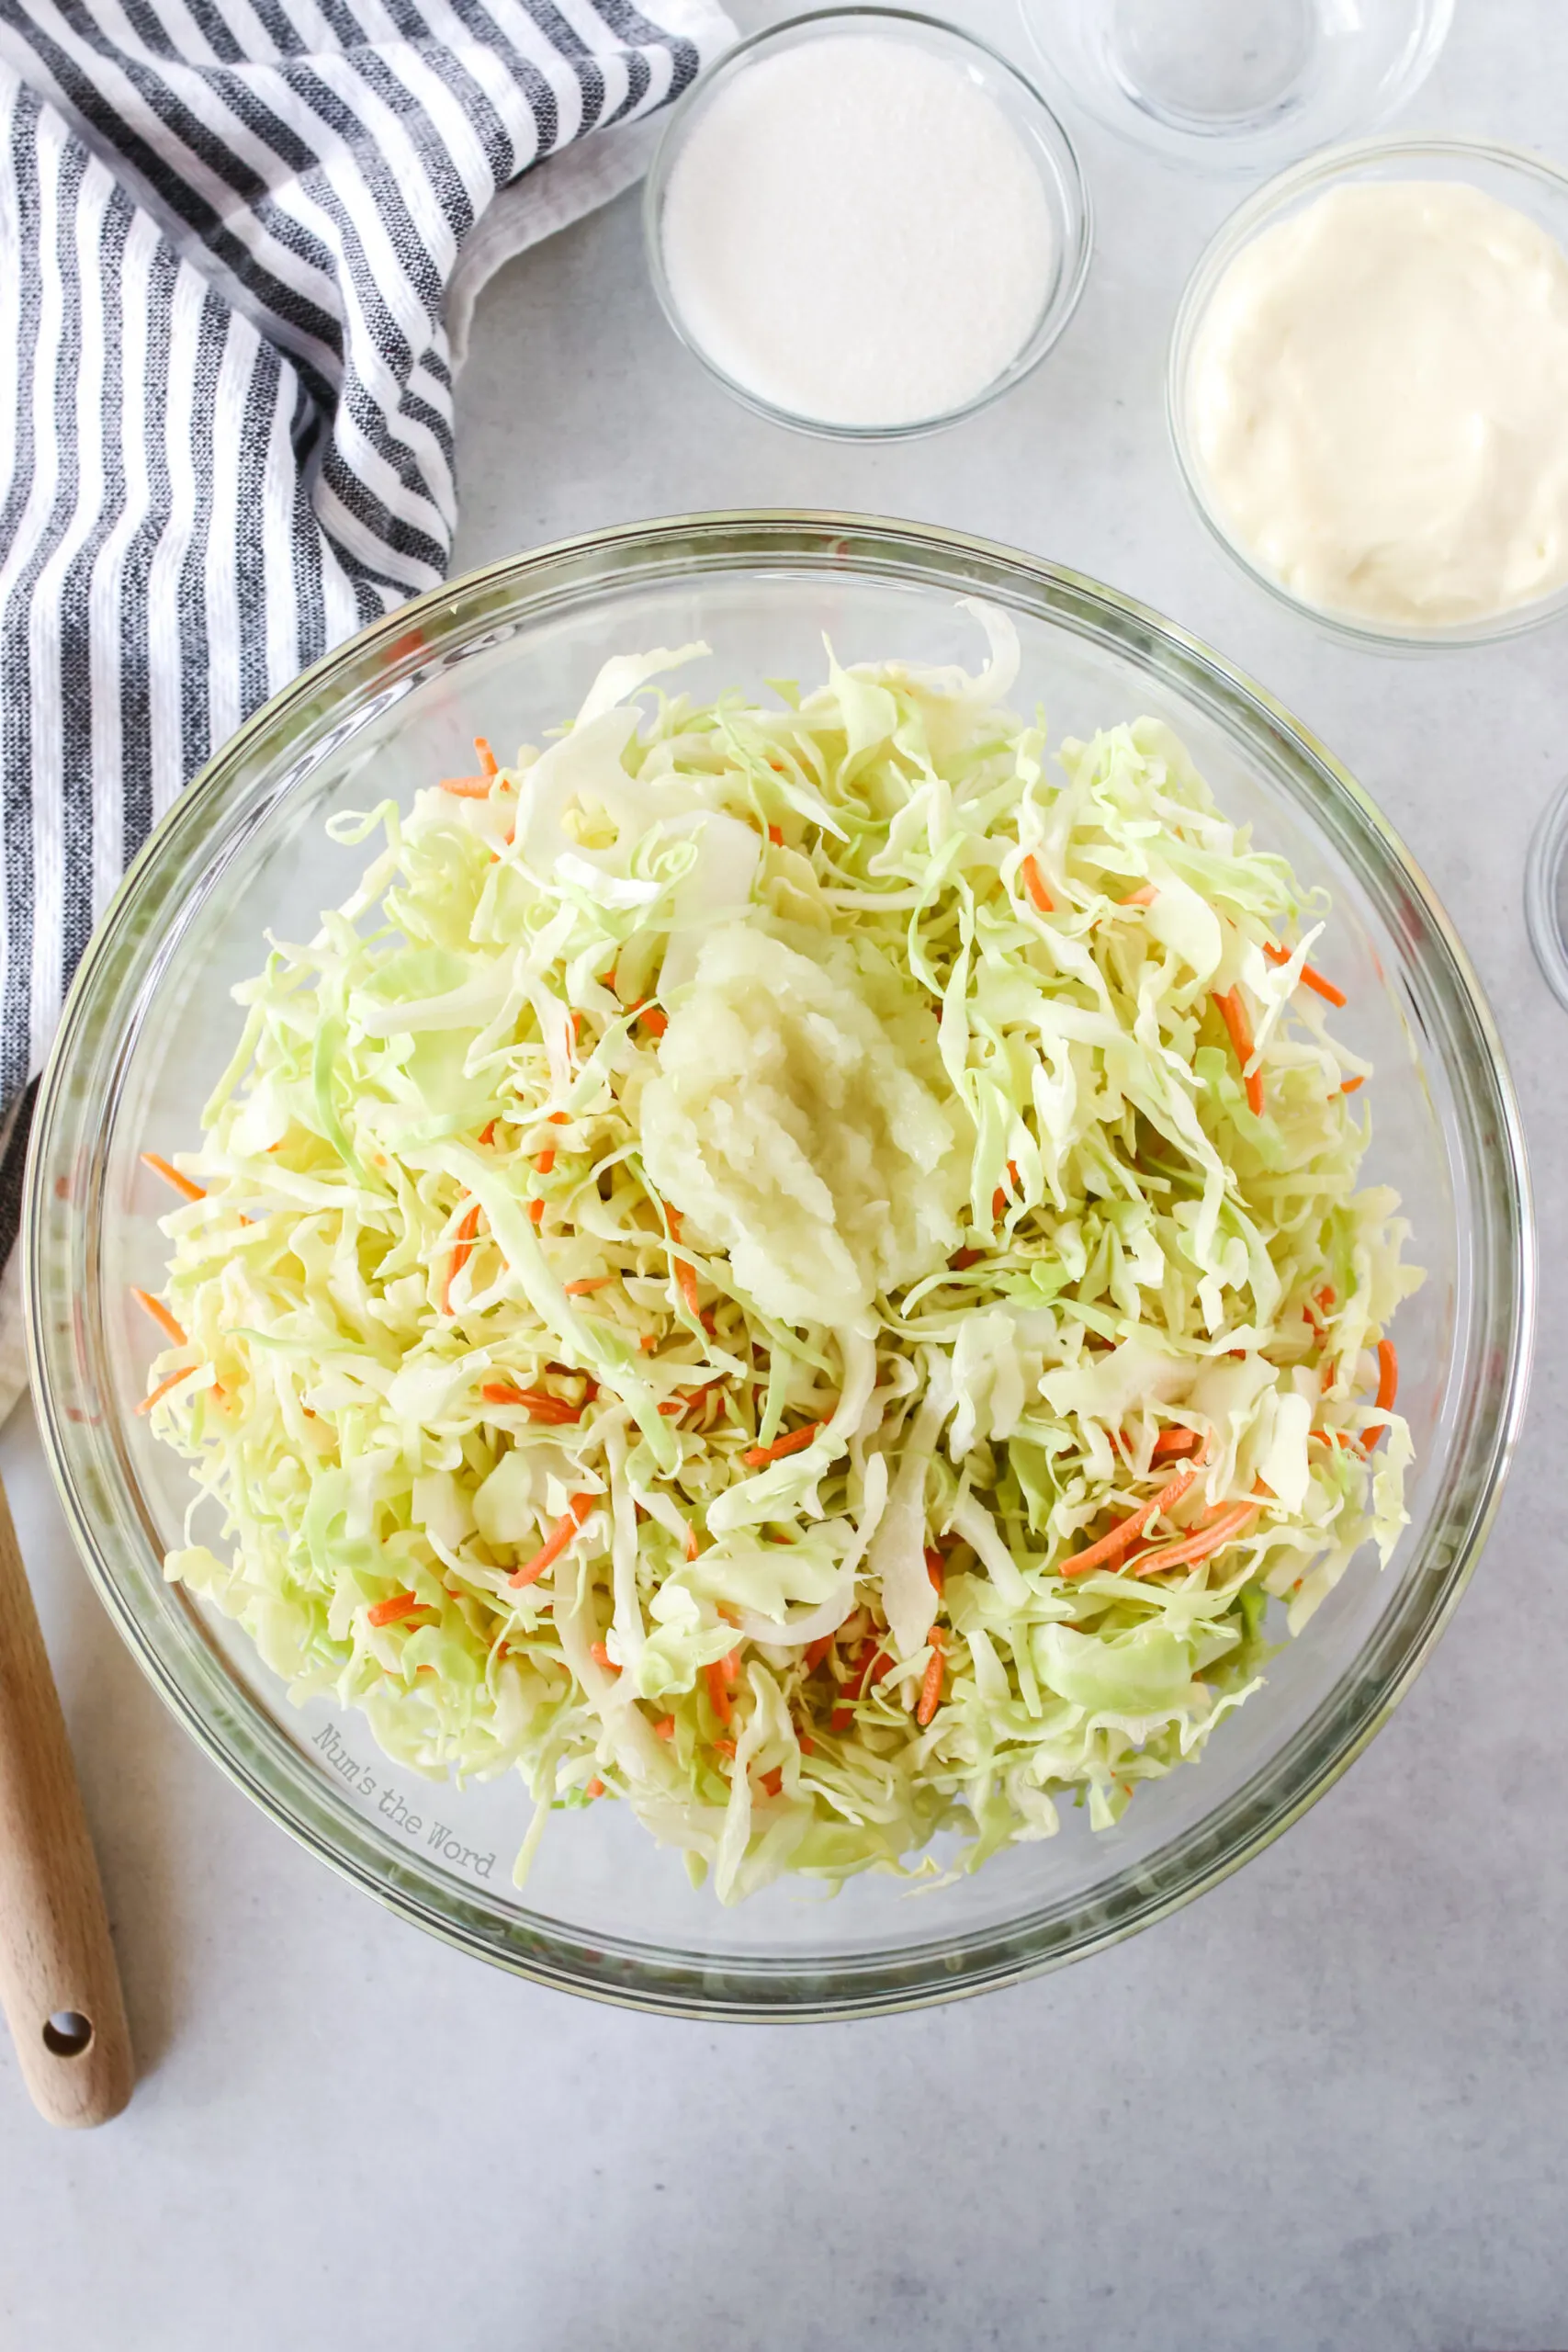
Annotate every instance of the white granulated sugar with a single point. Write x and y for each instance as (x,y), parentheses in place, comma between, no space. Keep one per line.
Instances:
(856,233)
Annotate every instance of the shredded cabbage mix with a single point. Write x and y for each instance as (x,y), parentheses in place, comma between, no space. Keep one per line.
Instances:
(792,1267)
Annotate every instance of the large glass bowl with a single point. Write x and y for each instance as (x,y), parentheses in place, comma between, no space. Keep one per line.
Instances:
(149,1025)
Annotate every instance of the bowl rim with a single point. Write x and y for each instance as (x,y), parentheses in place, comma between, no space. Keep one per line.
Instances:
(746,1986)
(1545,867)
(1257,213)
(1067,194)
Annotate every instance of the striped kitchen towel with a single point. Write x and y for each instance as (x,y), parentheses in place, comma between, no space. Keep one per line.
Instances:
(237,237)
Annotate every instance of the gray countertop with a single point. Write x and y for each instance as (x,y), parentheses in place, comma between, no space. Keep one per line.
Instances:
(1327,2105)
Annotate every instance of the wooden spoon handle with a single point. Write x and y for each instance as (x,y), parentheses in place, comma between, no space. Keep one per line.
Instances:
(58,1979)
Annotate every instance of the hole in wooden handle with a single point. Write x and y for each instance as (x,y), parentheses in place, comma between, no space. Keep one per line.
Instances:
(67,2034)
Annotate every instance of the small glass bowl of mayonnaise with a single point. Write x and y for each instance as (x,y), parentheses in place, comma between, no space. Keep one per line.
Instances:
(1367,391)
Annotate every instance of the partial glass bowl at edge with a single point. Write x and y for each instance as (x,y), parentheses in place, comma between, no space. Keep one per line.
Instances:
(1514,176)
(149,1024)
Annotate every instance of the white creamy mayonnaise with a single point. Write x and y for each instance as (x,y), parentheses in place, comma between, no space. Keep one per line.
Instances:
(1378,400)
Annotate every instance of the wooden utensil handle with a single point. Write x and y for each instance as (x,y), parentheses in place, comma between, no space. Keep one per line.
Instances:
(58,1984)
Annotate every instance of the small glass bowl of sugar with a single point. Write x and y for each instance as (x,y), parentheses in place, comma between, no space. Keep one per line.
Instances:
(866,223)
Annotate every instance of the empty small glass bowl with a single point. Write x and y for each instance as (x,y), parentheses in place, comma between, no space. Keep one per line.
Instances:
(1043,141)
(1237,85)
(1514,176)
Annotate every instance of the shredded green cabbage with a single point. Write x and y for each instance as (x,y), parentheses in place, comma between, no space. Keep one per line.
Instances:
(729,1212)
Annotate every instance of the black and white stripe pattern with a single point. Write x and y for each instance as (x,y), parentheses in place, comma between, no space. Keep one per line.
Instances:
(227,230)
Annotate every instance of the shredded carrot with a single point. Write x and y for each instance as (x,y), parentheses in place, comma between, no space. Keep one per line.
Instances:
(775,834)
(595,1788)
(1310,979)
(931,1689)
(487,1133)
(665,1727)
(545,1160)
(161,1167)
(805,1742)
(161,1316)
(1198,1547)
(1173,1441)
(999,1197)
(1233,1012)
(673,1220)
(555,1542)
(691,1543)
(648,1342)
(601,1657)
(1143,897)
(585,1283)
(962,1259)
(817,1651)
(488,760)
(1349,1085)
(1325,987)
(387,1613)
(170,1380)
(725,1747)
(1204,1519)
(773,1782)
(757,1457)
(536,1212)
(653,1018)
(462,1250)
(870,1667)
(935,1567)
(1388,1375)
(1112,1546)
(686,1277)
(1035,882)
(467,787)
(719,1678)
(537,1403)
